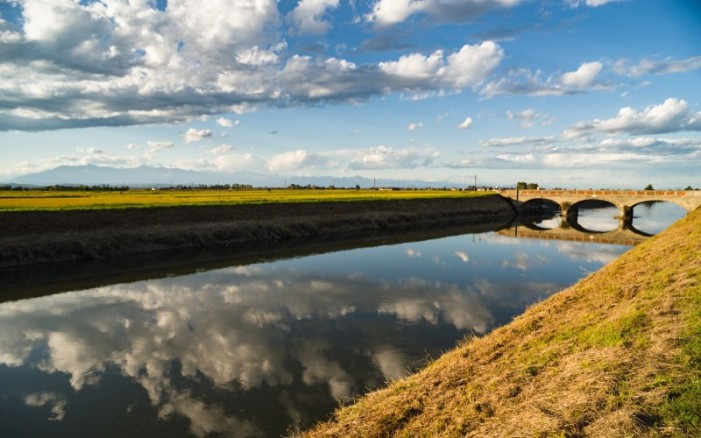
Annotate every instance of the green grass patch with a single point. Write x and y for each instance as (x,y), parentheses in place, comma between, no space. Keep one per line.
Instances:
(683,406)
(624,331)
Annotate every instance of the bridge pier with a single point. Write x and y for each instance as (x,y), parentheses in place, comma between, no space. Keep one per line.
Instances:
(569,214)
(564,208)
(626,218)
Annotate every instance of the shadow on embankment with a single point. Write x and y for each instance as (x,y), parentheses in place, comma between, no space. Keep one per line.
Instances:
(41,279)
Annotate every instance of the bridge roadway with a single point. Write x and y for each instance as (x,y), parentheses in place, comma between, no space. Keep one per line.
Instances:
(625,200)
(615,237)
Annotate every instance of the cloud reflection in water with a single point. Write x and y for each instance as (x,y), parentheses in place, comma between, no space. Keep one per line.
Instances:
(294,340)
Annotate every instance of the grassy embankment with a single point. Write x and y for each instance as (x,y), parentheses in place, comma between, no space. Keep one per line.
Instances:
(95,200)
(51,230)
(618,354)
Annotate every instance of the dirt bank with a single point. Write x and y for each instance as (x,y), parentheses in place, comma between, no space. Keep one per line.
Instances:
(618,354)
(41,237)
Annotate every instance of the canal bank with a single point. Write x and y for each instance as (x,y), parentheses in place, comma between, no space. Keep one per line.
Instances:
(32,237)
(618,354)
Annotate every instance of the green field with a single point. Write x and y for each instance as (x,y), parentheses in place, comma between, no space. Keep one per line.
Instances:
(24,200)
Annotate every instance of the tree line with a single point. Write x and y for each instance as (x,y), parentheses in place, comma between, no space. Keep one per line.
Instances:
(522,185)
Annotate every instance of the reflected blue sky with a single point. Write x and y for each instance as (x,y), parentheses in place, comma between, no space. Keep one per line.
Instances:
(599,219)
(263,349)
(654,217)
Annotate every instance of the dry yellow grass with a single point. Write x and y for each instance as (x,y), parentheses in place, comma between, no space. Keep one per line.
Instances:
(83,200)
(616,355)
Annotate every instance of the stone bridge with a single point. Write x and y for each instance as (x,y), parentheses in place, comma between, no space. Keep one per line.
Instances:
(625,200)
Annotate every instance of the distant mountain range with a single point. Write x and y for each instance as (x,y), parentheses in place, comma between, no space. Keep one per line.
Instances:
(146,176)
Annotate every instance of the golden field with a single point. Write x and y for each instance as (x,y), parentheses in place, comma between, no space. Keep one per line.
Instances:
(16,200)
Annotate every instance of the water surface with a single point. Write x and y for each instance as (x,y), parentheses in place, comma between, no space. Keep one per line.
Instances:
(263,349)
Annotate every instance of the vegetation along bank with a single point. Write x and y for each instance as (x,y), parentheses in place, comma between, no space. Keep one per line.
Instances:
(618,354)
(30,237)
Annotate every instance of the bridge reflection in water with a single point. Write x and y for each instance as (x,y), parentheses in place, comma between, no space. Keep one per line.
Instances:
(620,236)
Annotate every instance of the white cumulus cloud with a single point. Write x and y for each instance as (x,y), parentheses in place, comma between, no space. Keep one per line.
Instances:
(235,162)
(391,12)
(524,81)
(221,150)
(415,65)
(465,123)
(590,3)
(159,145)
(227,123)
(673,115)
(583,77)
(308,16)
(296,160)
(385,157)
(469,66)
(194,135)
(70,64)
(529,117)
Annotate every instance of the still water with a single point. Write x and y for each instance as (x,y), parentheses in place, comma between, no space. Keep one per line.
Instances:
(263,349)
(648,218)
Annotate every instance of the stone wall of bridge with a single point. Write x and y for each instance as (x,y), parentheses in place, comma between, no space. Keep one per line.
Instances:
(623,199)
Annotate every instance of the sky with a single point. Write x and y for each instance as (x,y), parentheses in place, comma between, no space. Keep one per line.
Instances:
(564,93)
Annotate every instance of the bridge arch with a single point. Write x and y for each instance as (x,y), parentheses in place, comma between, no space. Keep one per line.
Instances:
(588,224)
(540,203)
(671,201)
(625,200)
(651,217)
(589,202)
(540,214)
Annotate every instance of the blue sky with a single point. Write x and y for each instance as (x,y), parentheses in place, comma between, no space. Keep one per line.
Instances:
(568,93)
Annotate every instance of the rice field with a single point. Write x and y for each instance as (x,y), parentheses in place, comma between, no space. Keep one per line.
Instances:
(15,200)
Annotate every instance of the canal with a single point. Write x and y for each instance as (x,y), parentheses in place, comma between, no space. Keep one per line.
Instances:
(270,347)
